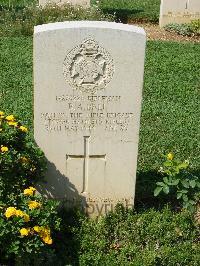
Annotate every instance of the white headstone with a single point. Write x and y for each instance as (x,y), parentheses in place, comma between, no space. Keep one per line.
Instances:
(84,3)
(88,79)
(179,11)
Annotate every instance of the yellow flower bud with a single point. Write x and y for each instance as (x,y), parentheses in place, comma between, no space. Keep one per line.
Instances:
(10,118)
(1,114)
(4,149)
(33,205)
(170,156)
(10,211)
(12,123)
(19,213)
(29,191)
(24,231)
(24,129)
(36,228)
(26,218)
(47,239)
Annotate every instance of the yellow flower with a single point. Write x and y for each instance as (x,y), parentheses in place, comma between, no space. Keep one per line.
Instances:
(33,205)
(19,213)
(29,191)
(10,211)
(24,231)
(12,123)
(1,114)
(4,148)
(46,230)
(36,228)
(10,118)
(44,233)
(26,218)
(32,188)
(24,129)
(170,156)
(47,239)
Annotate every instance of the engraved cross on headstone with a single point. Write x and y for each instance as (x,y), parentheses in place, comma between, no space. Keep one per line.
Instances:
(86,158)
(187,4)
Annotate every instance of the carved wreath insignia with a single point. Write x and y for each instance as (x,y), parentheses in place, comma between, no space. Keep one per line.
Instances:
(88,67)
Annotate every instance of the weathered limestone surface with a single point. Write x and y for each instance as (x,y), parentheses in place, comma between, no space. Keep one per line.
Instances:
(88,79)
(179,11)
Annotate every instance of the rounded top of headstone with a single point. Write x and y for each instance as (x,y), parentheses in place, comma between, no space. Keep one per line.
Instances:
(88,24)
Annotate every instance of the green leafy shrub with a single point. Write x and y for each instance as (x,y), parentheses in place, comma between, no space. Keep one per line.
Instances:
(195,26)
(181,29)
(26,228)
(185,29)
(178,181)
(21,21)
(21,163)
(27,221)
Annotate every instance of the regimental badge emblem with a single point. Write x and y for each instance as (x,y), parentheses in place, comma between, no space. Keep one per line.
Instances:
(88,67)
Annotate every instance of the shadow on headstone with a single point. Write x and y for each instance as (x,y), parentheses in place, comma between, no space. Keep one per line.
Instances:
(60,188)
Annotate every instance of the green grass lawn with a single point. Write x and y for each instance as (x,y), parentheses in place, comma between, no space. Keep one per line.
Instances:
(131,10)
(170,113)
(147,238)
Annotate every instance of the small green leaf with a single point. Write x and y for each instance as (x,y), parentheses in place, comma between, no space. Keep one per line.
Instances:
(184,191)
(166,189)
(167,172)
(177,170)
(192,202)
(175,182)
(167,163)
(185,183)
(185,198)
(192,183)
(179,195)
(165,179)
(157,191)
(161,184)
(183,165)
(191,207)
(185,205)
